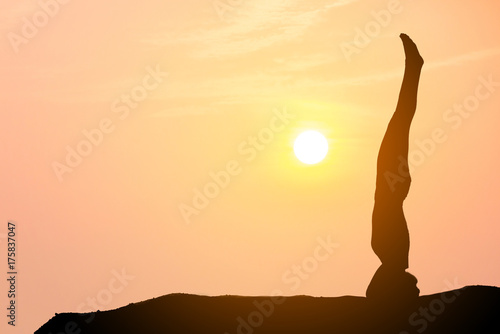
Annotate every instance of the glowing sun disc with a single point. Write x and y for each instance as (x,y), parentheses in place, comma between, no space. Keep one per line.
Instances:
(310,147)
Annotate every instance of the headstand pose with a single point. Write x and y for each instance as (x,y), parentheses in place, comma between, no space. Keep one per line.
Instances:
(390,237)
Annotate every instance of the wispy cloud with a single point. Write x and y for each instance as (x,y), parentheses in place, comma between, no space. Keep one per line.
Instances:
(258,24)
(465,58)
(473,56)
(184,111)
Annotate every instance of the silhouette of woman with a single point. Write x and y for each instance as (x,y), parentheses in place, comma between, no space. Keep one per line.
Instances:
(390,236)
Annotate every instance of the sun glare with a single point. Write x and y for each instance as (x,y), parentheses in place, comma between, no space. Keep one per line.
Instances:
(310,147)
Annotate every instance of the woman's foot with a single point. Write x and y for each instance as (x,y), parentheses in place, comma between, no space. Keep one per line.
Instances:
(411,51)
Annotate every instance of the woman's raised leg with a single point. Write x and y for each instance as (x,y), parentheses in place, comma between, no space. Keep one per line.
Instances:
(390,238)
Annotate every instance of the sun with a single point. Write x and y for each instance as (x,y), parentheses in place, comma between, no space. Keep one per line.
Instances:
(310,147)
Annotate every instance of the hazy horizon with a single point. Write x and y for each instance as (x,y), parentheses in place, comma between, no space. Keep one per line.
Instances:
(190,183)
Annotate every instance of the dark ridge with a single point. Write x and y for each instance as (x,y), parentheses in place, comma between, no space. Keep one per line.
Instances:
(471,310)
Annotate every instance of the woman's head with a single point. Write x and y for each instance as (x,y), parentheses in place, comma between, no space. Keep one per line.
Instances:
(389,284)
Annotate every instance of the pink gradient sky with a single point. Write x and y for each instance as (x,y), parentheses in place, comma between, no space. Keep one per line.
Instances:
(119,208)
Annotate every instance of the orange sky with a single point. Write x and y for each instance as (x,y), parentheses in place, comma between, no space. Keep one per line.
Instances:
(182,90)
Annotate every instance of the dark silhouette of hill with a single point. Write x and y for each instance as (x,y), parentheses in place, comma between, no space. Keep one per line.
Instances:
(471,310)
